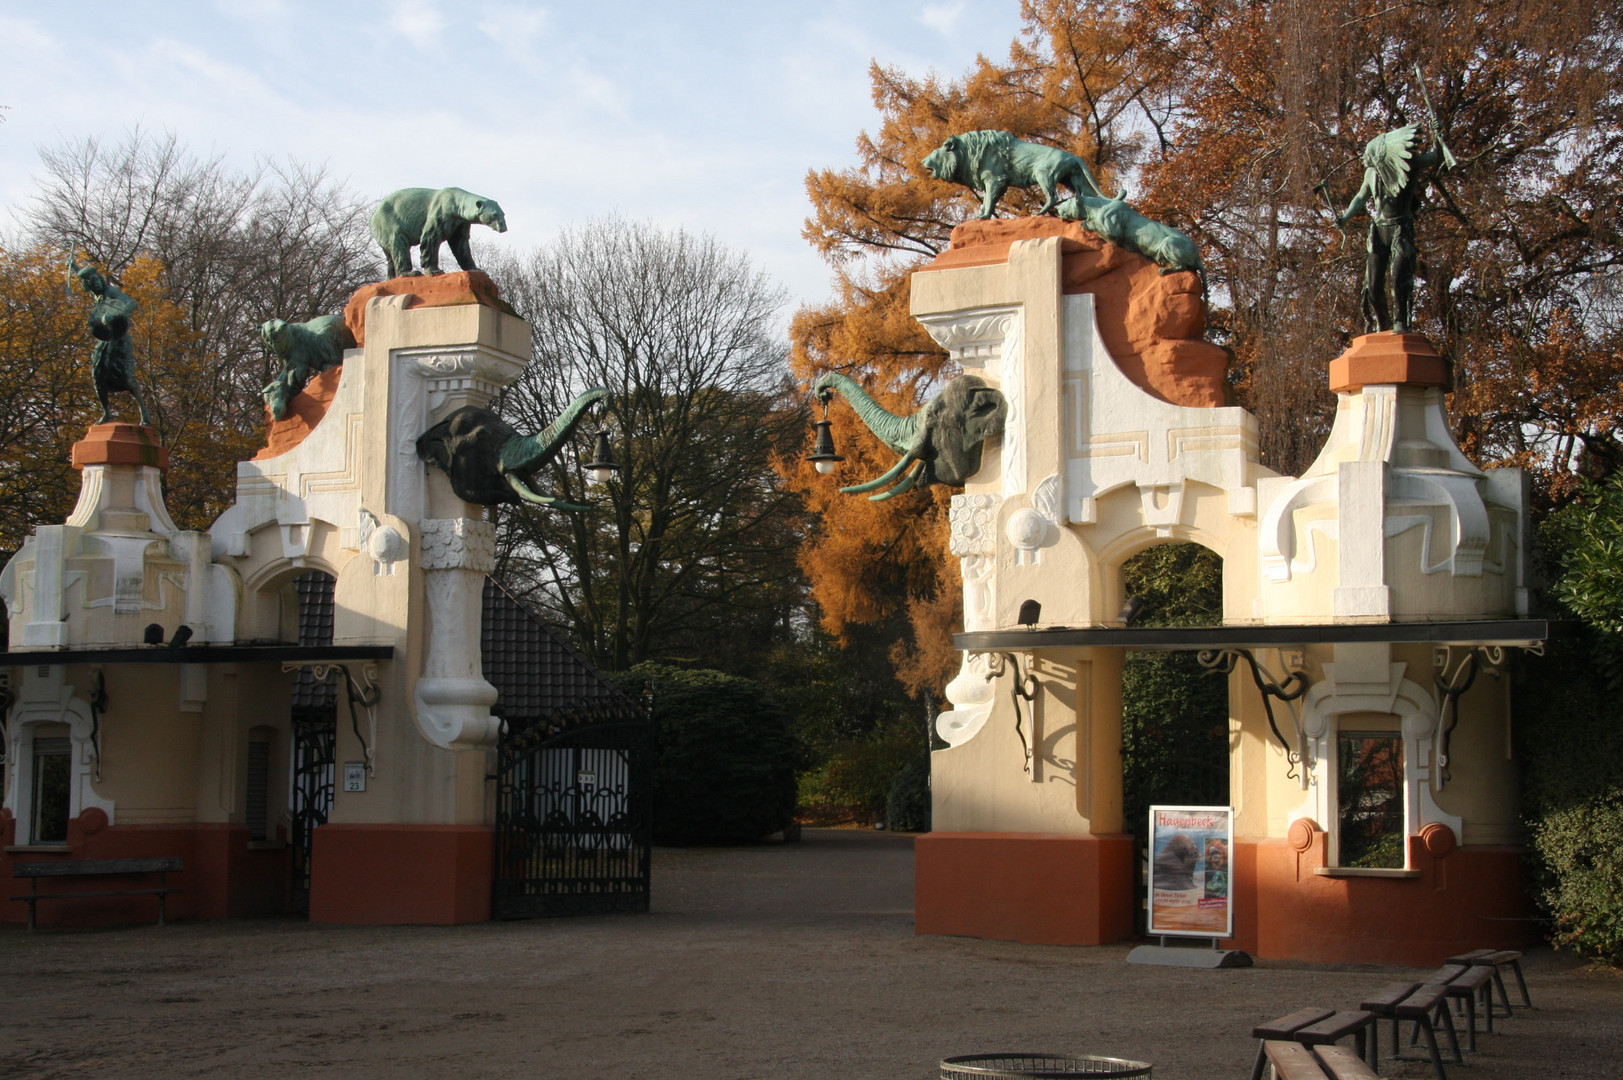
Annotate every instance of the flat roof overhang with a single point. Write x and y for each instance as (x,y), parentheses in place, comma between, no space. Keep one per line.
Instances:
(198,654)
(1503,632)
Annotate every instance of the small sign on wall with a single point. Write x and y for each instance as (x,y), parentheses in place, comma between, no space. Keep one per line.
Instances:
(354,776)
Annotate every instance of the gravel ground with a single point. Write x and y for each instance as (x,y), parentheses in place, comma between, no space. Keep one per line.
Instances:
(793,961)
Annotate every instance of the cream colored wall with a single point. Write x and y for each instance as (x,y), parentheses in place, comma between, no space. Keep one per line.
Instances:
(1073,783)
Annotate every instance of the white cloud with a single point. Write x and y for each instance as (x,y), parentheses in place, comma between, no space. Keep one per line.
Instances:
(420,22)
(942,18)
(515,28)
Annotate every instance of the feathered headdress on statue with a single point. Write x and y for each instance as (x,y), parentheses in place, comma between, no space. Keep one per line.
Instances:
(1389,156)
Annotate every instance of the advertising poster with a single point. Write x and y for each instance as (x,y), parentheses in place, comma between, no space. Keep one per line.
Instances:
(1189,870)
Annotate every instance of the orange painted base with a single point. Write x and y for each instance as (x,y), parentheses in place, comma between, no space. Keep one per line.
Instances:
(1032,887)
(435,875)
(1387,359)
(1466,898)
(118,443)
(223,877)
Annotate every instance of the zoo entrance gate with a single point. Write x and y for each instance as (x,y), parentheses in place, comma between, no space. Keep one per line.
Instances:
(574,820)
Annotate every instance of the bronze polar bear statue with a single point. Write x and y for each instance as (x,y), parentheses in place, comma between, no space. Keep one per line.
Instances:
(305,349)
(991,162)
(428,218)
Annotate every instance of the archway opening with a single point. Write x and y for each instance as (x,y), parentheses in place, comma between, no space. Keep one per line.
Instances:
(1175,713)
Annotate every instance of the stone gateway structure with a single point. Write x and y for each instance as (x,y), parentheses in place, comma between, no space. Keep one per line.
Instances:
(298,694)
(1377,596)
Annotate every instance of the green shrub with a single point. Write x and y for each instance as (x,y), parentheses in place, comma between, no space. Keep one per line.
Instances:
(725,768)
(1582,850)
(907,807)
(854,780)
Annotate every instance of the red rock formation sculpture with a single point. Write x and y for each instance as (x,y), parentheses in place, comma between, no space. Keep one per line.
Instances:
(1152,323)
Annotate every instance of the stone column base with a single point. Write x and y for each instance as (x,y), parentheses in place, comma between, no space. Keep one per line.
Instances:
(436,875)
(1033,887)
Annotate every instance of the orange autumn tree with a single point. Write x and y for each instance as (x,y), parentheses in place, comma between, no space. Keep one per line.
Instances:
(875,224)
(47,399)
(1223,118)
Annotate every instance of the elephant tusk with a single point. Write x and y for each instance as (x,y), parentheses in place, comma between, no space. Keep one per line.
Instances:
(522,490)
(880,481)
(908,483)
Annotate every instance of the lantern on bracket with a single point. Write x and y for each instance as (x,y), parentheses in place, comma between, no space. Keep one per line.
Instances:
(823,455)
(602,467)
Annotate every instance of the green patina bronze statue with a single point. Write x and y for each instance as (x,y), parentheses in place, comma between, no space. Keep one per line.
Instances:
(490,462)
(425,218)
(305,349)
(1119,223)
(991,162)
(1394,177)
(941,443)
(112,360)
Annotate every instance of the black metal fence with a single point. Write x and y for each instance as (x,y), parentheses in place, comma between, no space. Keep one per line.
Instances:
(573,815)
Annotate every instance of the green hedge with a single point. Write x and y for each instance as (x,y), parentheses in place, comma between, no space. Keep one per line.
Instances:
(725,768)
(907,807)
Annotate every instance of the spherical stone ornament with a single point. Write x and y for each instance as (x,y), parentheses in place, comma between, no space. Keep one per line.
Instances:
(1301,834)
(1026,529)
(1438,839)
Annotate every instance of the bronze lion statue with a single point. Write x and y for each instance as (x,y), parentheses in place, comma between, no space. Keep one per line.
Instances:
(991,162)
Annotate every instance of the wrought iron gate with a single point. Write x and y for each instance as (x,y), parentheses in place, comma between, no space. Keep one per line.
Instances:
(573,816)
(315,736)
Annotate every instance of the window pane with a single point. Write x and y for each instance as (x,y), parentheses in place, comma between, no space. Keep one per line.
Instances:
(1369,797)
(53,767)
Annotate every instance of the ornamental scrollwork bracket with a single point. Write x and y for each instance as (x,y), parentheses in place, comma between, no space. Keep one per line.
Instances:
(1453,678)
(1286,690)
(1024,688)
(362,693)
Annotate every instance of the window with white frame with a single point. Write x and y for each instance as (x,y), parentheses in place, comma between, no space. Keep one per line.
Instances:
(1371,829)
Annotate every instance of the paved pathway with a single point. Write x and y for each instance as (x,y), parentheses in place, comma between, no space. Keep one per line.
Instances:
(794,961)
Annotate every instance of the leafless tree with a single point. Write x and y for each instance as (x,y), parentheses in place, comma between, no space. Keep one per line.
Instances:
(690,551)
(281,240)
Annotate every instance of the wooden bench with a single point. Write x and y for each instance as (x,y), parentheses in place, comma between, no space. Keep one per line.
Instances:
(79,868)
(1337,1026)
(1282,1029)
(1496,959)
(1468,986)
(1293,1061)
(1423,1004)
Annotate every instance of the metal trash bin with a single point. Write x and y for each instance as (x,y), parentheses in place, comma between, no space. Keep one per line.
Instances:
(975,1066)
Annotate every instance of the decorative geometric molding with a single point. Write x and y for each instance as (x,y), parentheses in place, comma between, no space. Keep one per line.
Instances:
(458,544)
(472,373)
(973,338)
(1115,433)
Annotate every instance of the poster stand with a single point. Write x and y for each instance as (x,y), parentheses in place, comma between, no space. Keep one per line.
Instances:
(1188,888)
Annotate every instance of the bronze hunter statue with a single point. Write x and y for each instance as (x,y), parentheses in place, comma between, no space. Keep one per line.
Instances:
(112,360)
(1395,175)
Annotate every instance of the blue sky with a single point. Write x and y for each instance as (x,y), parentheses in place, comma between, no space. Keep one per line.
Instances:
(705,116)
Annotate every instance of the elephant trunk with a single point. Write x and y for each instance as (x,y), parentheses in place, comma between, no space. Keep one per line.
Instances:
(525,453)
(900,433)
